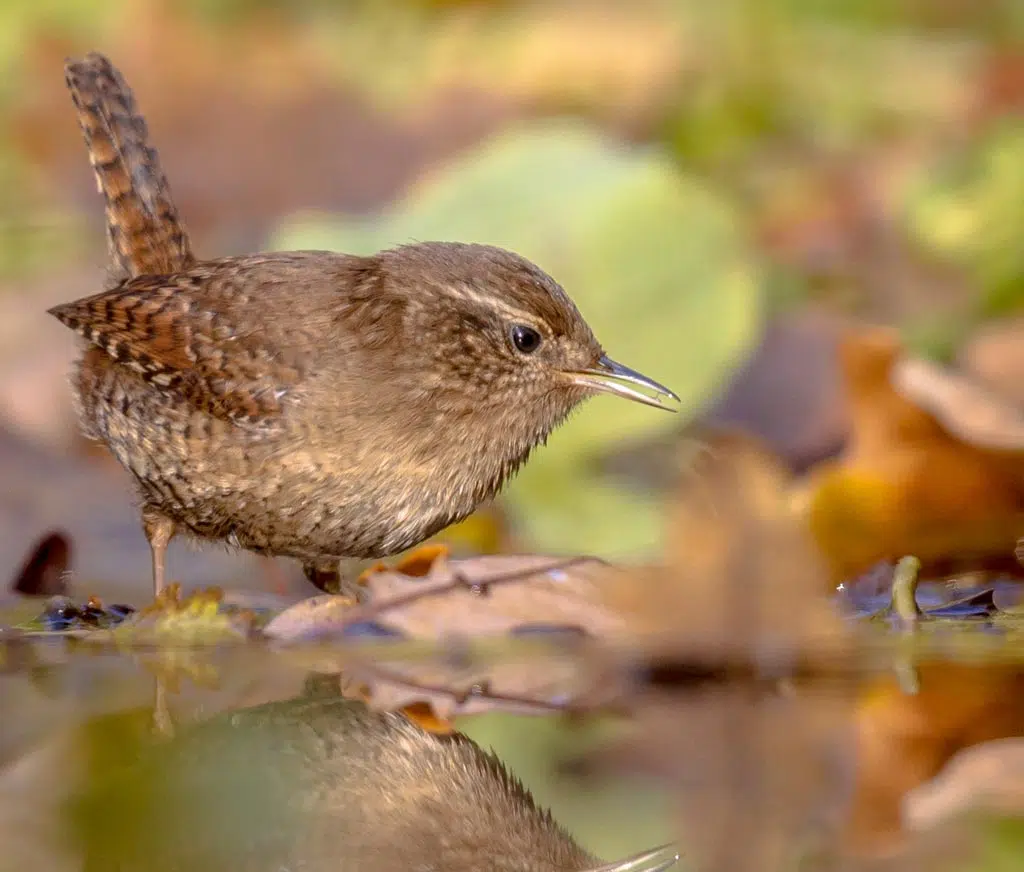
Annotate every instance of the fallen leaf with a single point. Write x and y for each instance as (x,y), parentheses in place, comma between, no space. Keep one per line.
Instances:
(966,409)
(994,355)
(759,766)
(173,620)
(740,573)
(906,483)
(426,596)
(472,597)
(43,573)
(310,618)
(968,596)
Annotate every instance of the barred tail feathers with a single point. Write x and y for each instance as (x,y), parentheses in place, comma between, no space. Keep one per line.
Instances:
(145,236)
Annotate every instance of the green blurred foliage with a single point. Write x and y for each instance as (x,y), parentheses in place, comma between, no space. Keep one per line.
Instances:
(622,817)
(971,211)
(757,81)
(654,259)
(1003,848)
(831,75)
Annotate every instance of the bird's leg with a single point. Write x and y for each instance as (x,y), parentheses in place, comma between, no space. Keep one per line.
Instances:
(159,531)
(163,720)
(325,574)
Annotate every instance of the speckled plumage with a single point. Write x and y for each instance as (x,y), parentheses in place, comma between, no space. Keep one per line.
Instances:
(307,435)
(307,404)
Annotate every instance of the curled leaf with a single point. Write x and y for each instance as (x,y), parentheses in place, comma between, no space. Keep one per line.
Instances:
(740,573)
(919,475)
(44,572)
(967,409)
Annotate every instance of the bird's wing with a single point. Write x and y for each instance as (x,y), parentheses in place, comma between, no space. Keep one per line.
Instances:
(234,341)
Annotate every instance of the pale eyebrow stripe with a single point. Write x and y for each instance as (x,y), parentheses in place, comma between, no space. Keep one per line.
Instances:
(465,292)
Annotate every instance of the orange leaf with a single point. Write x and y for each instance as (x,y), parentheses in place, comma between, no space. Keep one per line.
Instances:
(910,480)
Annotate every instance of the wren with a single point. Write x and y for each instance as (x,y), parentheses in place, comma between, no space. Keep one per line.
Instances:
(324,785)
(311,404)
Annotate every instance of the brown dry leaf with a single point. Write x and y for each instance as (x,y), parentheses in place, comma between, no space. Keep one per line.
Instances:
(44,572)
(429,597)
(759,767)
(905,484)
(968,410)
(492,595)
(309,618)
(994,355)
(740,572)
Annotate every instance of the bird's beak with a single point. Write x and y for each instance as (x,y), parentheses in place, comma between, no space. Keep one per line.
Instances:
(655,860)
(610,377)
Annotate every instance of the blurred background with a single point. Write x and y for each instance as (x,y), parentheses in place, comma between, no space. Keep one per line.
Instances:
(732,191)
(719,185)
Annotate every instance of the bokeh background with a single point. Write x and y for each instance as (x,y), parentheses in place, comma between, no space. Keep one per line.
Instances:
(721,186)
(694,173)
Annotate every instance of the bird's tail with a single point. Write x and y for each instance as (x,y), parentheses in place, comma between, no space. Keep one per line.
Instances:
(145,236)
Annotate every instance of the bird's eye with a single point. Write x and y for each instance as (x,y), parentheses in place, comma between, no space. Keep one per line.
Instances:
(525,339)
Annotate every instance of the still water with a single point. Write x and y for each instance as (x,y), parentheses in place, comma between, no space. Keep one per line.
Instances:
(246,757)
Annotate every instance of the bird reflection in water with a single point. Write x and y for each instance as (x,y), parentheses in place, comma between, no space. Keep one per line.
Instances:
(324,783)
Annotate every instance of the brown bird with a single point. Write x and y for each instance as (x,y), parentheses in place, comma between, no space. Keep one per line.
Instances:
(323,784)
(311,404)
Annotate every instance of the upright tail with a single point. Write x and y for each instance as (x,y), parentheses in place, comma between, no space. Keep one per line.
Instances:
(144,233)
